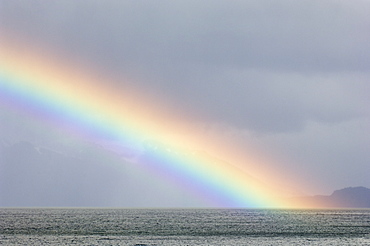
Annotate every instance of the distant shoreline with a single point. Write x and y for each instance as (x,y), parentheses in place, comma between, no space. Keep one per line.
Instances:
(350,197)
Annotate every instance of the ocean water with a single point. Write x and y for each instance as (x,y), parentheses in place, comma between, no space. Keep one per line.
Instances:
(183,227)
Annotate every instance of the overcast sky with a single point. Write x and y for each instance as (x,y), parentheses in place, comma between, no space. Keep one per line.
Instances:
(289,78)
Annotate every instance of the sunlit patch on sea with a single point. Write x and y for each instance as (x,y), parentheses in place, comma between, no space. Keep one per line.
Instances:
(183,227)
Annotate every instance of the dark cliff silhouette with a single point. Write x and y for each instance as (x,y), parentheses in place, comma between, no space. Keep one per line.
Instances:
(350,197)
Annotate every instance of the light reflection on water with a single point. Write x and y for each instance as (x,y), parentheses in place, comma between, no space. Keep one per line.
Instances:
(183,227)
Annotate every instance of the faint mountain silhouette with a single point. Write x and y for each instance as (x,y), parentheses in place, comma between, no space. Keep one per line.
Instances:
(84,175)
(350,197)
(35,176)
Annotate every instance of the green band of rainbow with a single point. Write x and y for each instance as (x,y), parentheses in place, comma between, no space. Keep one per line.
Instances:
(78,100)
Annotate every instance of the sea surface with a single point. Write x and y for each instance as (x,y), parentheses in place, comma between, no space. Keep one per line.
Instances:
(183,227)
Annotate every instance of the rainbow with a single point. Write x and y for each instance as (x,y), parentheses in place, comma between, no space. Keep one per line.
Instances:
(93,106)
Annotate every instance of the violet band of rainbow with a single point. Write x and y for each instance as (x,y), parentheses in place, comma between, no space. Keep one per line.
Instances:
(94,109)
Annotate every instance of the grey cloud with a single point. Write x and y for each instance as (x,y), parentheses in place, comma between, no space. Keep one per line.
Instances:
(266,102)
(250,63)
(288,35)
(324,156)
